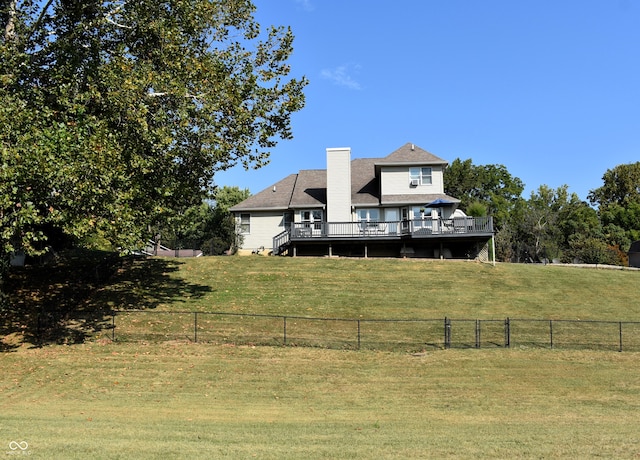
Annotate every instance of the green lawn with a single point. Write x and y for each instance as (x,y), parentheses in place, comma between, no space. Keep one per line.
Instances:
(375,288)
(178,399)
(181,400)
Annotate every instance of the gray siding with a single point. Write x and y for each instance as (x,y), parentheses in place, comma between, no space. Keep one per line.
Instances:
(395,181)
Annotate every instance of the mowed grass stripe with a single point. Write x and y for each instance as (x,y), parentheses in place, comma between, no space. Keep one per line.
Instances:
(178,399)
(205,401)
(374,288)
(370,290)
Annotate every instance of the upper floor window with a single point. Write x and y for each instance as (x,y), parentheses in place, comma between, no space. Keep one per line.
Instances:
(420,176)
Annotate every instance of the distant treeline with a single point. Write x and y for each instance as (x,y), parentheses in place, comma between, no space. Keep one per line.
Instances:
(552,224)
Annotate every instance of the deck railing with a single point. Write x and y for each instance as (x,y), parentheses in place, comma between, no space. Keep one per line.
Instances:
(280,241)
(381,229)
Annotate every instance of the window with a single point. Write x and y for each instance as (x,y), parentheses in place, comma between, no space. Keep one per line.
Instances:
(421,175)
(368,218)
(421,213)
(245,223)
(369,215)
(421,217)
(405,219)
(312,217)
(287,218)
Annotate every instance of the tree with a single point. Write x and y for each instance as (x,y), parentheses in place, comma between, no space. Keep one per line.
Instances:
(187,230)
(117,114)
(227,197)
(490,185)
(487,190)
(476,209)
(618,201)
(556,224)
(540,233)
(207,226)
(591,250)
(621,186)
(223,232)
(461,180)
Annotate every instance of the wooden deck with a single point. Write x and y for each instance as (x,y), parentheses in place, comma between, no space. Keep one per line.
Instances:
(409,230)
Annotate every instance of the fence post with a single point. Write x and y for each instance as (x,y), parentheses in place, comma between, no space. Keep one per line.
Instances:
(551,332)
(38,338)
(477,333)
(195,327)
(507,333)
(113,326)
(447,333)
(358,334)
(284,319)
(620,330)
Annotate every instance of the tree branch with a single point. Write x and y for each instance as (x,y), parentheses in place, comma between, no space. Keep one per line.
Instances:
(38,21)
(10,28)
(190,96)
(114,11)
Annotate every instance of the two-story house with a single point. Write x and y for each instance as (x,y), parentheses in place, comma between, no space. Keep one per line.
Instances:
(391,207)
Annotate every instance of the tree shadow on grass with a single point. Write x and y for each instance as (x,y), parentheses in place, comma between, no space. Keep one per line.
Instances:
(146,283)
(73,299)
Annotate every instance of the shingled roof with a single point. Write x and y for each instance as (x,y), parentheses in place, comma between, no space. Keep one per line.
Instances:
(308,188)
(276,197)
(365,186)
(416,199)
(411,154)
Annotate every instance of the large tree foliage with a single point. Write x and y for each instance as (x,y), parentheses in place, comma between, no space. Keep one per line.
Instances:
(554,224)
(489,185)
(548,220)
(618,201)
(208,226)
(551,223)
(621,186)
(115,114)
(487,189)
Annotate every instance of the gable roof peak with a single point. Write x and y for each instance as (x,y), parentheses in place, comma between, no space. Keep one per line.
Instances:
(411,154)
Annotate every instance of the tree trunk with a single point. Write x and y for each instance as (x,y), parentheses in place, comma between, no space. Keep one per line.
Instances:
(10,27)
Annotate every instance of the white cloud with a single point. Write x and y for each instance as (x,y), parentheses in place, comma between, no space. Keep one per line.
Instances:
(306,5)
(341,76)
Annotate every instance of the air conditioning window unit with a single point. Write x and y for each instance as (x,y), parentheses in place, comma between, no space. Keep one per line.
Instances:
(414,182)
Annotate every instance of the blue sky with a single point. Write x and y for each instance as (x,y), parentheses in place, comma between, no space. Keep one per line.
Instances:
(548,88)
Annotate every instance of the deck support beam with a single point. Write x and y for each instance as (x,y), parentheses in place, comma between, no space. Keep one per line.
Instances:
(493,249)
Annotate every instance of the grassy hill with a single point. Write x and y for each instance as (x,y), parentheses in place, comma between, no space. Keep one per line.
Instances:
(373,288)
(364,289)
(180,399)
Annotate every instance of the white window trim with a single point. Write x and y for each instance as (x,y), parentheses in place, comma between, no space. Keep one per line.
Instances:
(245,228)
(316,217)
(420,173)
(364,215)
(366,220)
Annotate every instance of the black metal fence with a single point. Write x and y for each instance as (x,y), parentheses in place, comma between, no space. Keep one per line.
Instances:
(375,334)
